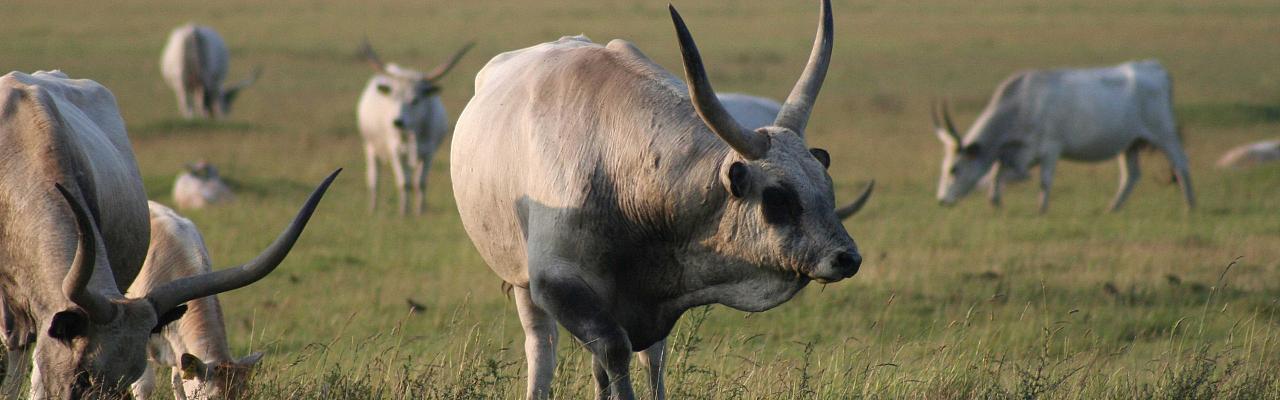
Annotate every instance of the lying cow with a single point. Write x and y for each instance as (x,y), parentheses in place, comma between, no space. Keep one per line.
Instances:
(195,346)
(1037,117)
(613,198)
(402,121)
(199,186)
(194,64)
(1251,154)
(82,236)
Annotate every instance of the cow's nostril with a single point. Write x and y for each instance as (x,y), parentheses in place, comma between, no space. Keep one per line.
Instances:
(848,263)
(399,123)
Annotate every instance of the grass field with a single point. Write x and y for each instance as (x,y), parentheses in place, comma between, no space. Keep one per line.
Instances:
(964,302)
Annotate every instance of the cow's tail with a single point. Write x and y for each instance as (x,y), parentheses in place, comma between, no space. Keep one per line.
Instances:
(193,57)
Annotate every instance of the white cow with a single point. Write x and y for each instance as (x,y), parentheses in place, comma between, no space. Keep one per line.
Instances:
(754,112)
(194,64)
(81,234)
(199,186)
(402,121)
(195,346)
(613,197)
(1037,117)
(1251,154)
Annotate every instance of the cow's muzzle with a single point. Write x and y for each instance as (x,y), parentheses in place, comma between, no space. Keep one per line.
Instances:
(839,265)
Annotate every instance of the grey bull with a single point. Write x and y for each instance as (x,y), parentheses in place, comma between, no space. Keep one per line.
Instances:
(80,235)
(613,197)
(194,64)
(1041,116)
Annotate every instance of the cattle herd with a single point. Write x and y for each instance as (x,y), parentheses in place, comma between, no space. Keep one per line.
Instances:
(626,196)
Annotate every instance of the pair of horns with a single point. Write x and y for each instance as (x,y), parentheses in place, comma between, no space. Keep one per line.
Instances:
(170,295)
(371,57)
(794,114)
(940,109)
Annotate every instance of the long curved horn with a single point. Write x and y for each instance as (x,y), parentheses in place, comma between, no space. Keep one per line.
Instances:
(369,56)
(182,290)
(939,108)
(444,68)
(749,144)
(853,208)
(76,284)
(795,111)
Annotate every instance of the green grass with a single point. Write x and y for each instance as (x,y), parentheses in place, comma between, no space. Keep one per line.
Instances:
(963,302)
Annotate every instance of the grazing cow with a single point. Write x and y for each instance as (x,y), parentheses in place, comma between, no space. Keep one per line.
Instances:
(754,112)
(613,198)
(74,231)
(199,186)
(402,121)
(1251,154)
(1037,117)
(195,346)
(194,64)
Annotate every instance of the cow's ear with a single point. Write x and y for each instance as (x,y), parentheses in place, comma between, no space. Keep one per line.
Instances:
(168,317)
(822,156)
(739,179)
(384,88)
(70,324)
(192,367)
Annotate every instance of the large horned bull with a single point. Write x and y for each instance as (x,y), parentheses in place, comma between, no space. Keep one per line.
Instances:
(613,198)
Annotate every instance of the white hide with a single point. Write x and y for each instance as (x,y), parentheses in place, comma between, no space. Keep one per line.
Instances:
(1251,155)
(1038,117)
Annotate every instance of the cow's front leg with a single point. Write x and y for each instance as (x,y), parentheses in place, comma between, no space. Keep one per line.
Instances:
(654,360)
(1046,180)
(560,288)
(997,185)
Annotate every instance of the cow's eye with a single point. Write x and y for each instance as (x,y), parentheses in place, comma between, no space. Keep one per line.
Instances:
(781,205)
(954,169)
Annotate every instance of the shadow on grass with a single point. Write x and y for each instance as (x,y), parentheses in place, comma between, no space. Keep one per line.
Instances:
(1227,114)
(177,125)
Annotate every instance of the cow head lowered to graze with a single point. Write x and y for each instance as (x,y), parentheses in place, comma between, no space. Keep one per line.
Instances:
(613,197)
(74,233)
(194,64)
(1037,117)
(402,121)
(98,347)
(963,165)
(195,347)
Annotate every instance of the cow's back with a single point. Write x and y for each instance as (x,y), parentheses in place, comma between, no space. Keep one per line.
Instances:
(54,129)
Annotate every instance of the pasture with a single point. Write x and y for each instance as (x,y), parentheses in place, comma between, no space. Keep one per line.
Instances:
(968,301)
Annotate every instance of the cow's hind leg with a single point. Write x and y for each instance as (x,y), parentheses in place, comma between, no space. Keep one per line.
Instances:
(1129,174)
(540,338)
(577,307)
(654,359)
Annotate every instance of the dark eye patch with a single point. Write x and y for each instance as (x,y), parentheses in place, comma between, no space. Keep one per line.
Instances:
(781,205)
